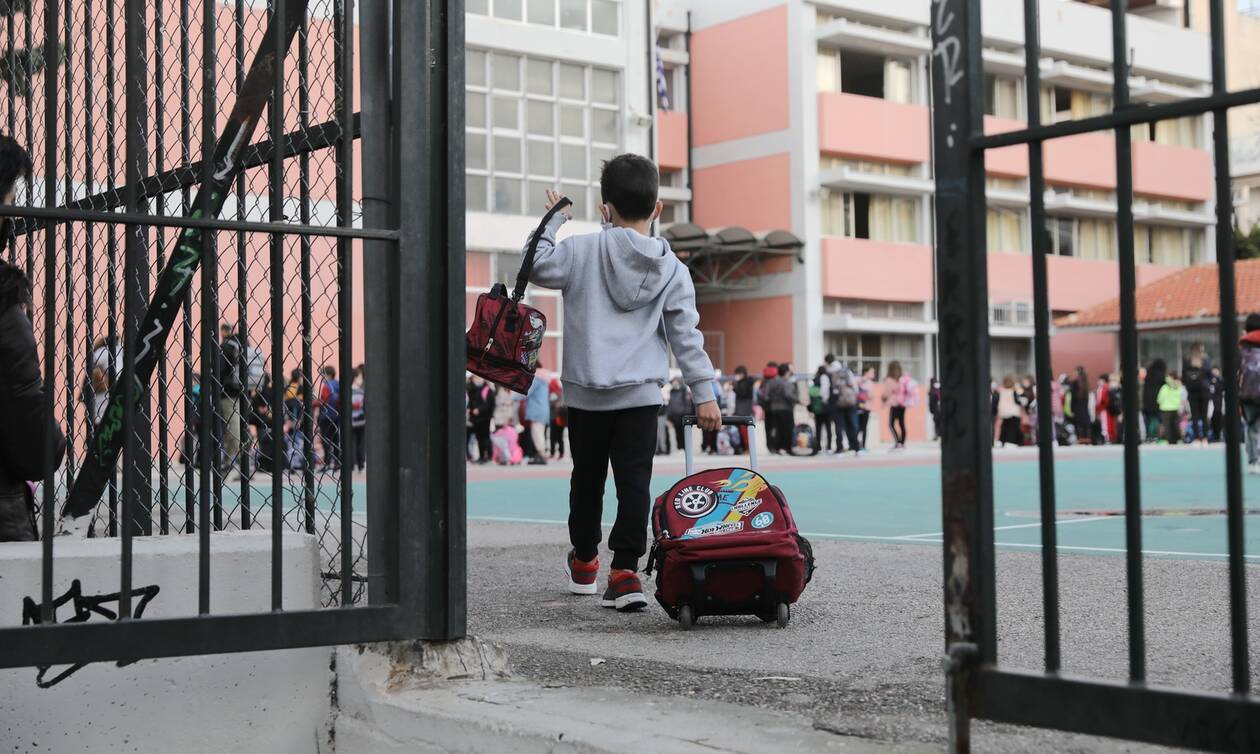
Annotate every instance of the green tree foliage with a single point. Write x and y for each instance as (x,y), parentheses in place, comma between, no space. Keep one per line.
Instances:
(1247,245)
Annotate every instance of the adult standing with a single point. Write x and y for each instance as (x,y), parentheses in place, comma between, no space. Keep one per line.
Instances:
(678,406)
(480,412)
(893,397)
(819,389)
(1196,372)
(24,427)
(843,402)
(1008,414)
(559,418)
(537,417)
(1249,388)
(744,390)
(358,416)
(231,349)
(934,406)
(865,396)
(782,402)
(1080,406)
(329,418)
(1156,374)
(1216,388)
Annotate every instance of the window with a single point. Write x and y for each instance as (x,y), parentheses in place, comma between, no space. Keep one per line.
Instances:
(1165,245)
(534,124)
(1005,229)
(1181,132)
(831,162)
(1001,96)
(1062,232)
(871,351)
(871,216)
(594,16)
(862,73)
(1249,8)
(1060,103)
(1085,237)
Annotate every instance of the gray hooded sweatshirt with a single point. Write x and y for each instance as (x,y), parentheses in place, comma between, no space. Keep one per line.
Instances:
(627,302)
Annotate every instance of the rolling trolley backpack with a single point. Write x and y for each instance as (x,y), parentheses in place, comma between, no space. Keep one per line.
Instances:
(726,543)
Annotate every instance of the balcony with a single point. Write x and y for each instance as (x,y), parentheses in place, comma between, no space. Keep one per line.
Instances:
(872,128)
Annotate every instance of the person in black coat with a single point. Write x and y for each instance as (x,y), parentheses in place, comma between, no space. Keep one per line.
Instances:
(1156,375)
(25,429)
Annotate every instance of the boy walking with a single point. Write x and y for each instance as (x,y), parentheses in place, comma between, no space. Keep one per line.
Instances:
(628,302)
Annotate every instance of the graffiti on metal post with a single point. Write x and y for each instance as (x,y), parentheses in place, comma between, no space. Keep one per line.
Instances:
(948,50)
(84,605)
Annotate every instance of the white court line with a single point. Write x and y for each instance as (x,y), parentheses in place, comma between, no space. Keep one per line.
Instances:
(909,538)
(1025,526)
(863,537)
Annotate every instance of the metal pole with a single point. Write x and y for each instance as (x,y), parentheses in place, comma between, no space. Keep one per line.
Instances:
(380,307)
(343,47)
(276,207)
(159,136)
(1225,254)
(966,424)
(185,156)
(208,447)
(306,424)
(1041,341)
(1128,346)
(49,313)
(243,407)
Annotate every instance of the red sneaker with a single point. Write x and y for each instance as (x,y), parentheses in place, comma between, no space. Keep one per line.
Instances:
(625,592)
(581,574)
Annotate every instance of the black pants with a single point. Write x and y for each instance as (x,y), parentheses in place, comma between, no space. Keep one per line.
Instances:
(1216,426)
(557,440)
(781,420)
(481,428)
(864,418)
(1198,415)
(1009,432)
(846,421)
(330,438)
(626,438)
(17,518)
(360,447)
(680,432)
(822,424)
(1172,430)
(897,423)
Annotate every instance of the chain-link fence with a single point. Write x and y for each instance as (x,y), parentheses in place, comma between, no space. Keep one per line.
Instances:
(262,309)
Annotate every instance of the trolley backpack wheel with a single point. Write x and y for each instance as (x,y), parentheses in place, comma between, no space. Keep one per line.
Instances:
(783,614)
(686,618)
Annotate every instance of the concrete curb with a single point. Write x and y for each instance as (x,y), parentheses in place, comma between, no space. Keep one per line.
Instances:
(383,711)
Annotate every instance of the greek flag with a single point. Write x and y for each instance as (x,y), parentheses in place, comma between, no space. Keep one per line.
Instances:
(662,88)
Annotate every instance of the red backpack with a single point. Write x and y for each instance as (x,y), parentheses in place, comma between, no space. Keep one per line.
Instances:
(505,335)
(726,544)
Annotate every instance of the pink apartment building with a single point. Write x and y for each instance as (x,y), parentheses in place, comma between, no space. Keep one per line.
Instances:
(813,117)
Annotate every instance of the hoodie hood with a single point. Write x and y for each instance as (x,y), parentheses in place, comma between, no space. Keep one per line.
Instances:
(635,268)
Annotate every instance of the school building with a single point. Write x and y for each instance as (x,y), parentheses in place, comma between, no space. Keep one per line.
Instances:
(794,142)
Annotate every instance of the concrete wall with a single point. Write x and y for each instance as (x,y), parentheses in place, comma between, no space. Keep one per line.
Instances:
(255,702)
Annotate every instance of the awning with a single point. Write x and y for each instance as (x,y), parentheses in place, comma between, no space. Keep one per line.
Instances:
(731,258)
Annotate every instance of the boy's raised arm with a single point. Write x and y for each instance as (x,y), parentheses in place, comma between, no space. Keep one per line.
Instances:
(553,261)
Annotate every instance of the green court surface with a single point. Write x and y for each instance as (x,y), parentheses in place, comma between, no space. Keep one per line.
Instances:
(1183,496)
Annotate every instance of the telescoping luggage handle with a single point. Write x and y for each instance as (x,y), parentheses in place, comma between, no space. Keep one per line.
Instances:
(727,421)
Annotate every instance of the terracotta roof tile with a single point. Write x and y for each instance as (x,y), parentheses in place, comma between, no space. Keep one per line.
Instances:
(1193,293)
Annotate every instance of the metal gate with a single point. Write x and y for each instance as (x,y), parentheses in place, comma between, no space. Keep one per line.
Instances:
(978,685)
(147,169)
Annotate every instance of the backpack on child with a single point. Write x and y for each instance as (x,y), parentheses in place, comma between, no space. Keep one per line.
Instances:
(844,388)
(1249,376)
(817,405)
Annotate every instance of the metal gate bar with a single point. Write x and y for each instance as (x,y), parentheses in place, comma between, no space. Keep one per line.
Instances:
(417,111)
(978,685)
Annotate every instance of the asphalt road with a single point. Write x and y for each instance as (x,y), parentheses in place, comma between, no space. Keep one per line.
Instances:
(862,654)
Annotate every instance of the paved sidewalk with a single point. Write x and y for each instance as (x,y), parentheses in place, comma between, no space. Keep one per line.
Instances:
(861,657)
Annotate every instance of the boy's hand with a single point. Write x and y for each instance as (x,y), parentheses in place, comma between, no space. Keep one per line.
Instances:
(709,416)
(552,198)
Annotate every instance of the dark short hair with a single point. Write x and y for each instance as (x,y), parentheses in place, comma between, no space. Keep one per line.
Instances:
(629,182)
(1253,322)
(741,369)
(829,358)
(14,163)
(783,369)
